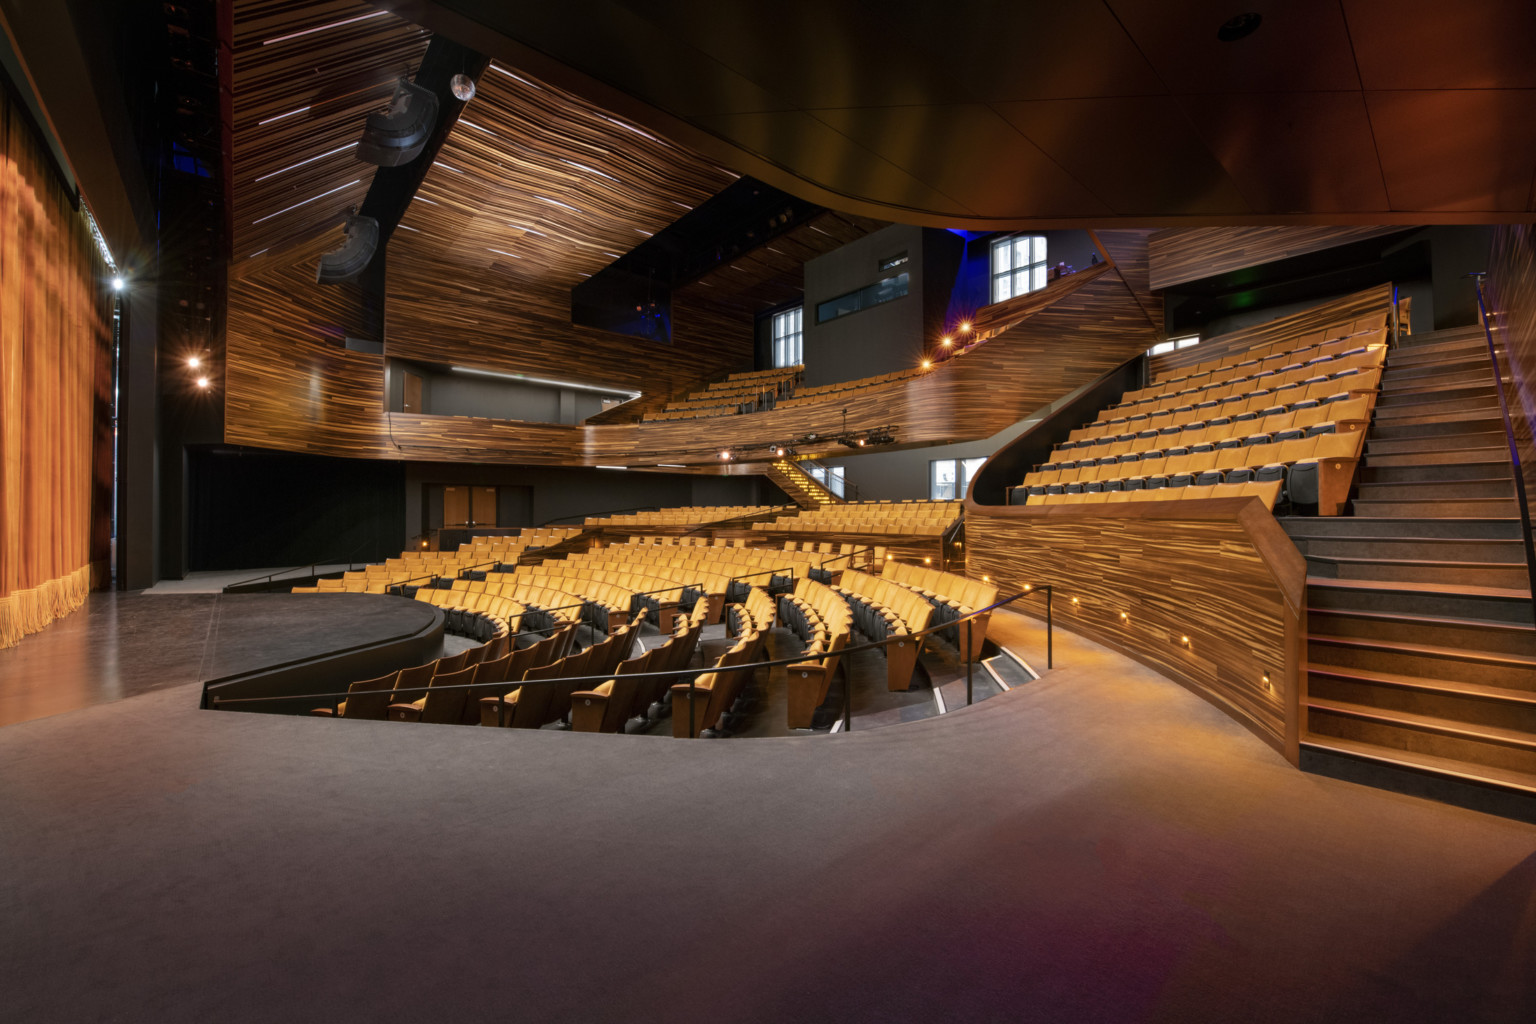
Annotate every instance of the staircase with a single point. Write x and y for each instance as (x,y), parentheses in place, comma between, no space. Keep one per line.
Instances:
(1421,648)
(801,488)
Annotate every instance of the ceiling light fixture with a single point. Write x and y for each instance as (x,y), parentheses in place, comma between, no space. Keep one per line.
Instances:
(306,202)
(279,117)
(1239,26)
(301,163)
(463,87)
(323,28)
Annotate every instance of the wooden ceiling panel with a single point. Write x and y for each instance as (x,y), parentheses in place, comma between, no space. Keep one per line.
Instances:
(304,77)
(1429,44)
(1479,158)
(558,185)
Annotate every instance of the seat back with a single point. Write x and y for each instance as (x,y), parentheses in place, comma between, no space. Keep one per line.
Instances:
(409,678)
(532,705)
(623,698)
(490,680)
(370,698)
(451,664)
(445,706)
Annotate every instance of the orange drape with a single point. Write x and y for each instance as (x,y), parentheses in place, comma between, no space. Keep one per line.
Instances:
(54,386)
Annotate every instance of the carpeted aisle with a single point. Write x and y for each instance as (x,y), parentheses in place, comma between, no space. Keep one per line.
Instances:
(1099,845)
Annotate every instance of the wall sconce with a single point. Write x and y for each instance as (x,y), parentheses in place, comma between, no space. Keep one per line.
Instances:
(1074,600)
(1184,640)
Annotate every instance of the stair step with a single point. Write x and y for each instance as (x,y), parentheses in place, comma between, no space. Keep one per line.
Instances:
(1474,464)
(1468,371)
(1448,549)
(1491,528)
(1494,790)
(1436,424)
(1476,508)
(1440,347)
(1408,570)
(1417,408)
(1472,703)
(1500,604)
(1491,668)
(1446,443)
(1436,389)
(1476,745)
(1425,489)
(1477,634)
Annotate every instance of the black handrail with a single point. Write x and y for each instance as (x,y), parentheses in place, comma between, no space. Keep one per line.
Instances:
(219,702)
(1509,437)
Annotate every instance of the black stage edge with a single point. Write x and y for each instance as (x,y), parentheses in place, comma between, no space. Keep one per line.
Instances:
(328,641)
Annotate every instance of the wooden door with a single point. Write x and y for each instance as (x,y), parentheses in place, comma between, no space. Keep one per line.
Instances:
(455,506)
(482,504)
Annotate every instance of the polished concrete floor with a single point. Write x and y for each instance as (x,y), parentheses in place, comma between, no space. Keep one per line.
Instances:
(1096,845)
(126,644)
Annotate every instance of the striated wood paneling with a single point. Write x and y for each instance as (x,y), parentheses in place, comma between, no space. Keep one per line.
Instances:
(325,65)
(306,396)
(1127,250)
(1364,303)
(1180,255)
(1223,574)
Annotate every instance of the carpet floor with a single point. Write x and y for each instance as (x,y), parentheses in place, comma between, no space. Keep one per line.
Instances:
(1097,845)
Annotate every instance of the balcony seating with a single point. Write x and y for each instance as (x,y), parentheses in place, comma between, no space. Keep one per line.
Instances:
(882,610)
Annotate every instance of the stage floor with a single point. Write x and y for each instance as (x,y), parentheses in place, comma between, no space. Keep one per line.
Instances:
(123,645)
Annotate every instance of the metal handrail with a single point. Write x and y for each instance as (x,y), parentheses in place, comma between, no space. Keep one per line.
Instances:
(1521,498)
(219,702)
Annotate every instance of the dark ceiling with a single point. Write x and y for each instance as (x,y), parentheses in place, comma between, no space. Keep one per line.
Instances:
(986,114)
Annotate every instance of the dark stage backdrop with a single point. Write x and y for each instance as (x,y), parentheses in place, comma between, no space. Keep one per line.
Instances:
(252,509)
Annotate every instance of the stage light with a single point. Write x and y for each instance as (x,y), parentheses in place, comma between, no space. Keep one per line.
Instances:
(463,87)
(118,284)
(202,382)
(194,362)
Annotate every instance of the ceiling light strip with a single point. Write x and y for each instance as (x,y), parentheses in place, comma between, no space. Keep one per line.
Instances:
(301,163)
(306,202)
(323,28)
(279,117)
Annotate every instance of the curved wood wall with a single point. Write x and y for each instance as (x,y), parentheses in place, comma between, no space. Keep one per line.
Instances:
(1222,573)
(55,388)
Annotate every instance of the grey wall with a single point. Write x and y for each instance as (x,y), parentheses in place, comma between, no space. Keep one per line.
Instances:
(459,394)
(872,341)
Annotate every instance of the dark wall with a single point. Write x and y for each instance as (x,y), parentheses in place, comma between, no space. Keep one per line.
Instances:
(561,492)
(460,394)
(971,288)
(253,509)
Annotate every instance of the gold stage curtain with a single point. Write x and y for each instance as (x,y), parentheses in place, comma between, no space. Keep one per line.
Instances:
(55,388)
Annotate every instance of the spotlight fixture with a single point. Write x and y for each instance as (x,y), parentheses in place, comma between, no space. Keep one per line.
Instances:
(202,382)
(1239,26)
(463,88)
(118,284)
(946,341)
(398,137)
(965,327)
(927,363)
(194,362)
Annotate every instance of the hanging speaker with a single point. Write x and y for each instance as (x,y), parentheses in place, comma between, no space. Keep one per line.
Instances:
(346,263)
(398,136)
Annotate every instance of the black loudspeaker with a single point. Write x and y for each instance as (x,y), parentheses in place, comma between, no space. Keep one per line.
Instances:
(346,263)
(397,137)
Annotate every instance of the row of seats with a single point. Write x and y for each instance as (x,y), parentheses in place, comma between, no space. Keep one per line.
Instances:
(506,547)
(470,604)
(824,623)
(882,610)
(925,519)
(1266,491)
(699,705)
(661,590)
(952,597)
(1342,412)
(743,392)
(609,705)
(683,516)
(1310,339)
(823,392)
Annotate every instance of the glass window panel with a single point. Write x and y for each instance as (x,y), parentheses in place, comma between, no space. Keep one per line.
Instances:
(1039,246)
(968,468)
(1037,278)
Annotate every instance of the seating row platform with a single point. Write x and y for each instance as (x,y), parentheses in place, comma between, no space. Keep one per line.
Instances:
(912,519)
(683,516)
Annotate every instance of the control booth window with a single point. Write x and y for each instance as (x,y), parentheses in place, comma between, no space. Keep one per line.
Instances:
(1018,266)
(949,479)
(887,290)
(787,337)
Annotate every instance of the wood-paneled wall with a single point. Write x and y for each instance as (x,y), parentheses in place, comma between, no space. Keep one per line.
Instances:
(1363,303)
(1511,297)
(1180,255)
(288,389)
(1129,251)
(1222,573)
(55,388)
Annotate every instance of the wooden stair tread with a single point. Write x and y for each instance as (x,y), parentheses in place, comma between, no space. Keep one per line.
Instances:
(1446,686)
(1403,586)
(1418,563)
(1427,723)
(1426,620)
(1430,650)
(1501,778)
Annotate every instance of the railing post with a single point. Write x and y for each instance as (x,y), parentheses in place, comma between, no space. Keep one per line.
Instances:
(969,664)
(1049,634)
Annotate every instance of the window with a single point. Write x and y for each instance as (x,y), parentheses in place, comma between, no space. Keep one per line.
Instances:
(1018,266)
(949,479)
(1173,344)
(787,337)
(830,477)
(887,290)
(892,262)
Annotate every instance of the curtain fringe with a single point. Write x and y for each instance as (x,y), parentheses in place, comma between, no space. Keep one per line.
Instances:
(27,611)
